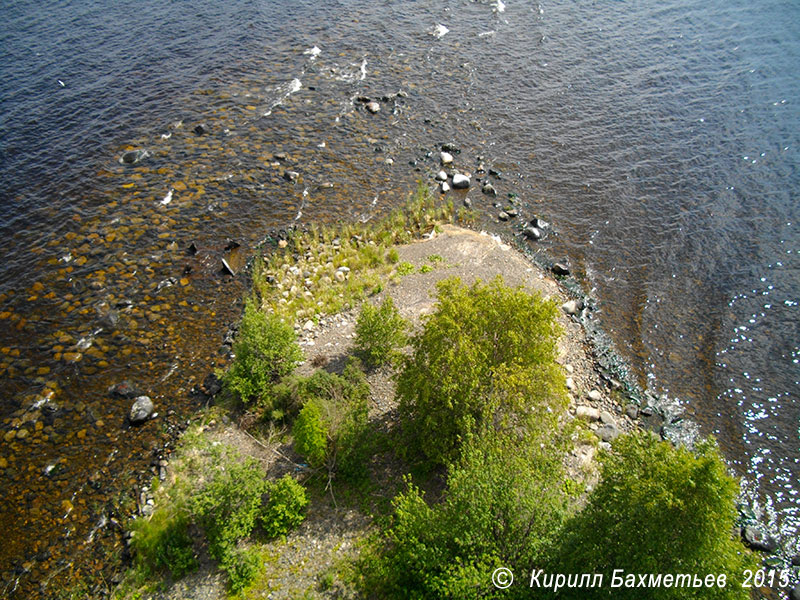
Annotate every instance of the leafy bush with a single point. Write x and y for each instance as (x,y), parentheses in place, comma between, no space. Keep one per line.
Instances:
(380,331)
(658,509)
(311,434)
(485,359)
(285,508)
(502,507)
(242,566)
(333,418)
(265,349)
(162,543)
(228,505)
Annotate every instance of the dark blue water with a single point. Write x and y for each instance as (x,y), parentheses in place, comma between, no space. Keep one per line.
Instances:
(660,138)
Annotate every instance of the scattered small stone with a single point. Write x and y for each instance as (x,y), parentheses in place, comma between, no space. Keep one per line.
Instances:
(389,161)
(445,187)
(632,411)
(373,107)
(647,411)
(141,410)
(339,276)
(446,158)
(502,215)
(595,396)
(512,212)
(571,384)
(607,433)
(460,182)
(532,233)
(452,148)
(441,176)
(309,325)
(587,412)
(201,129)
(560,269)
(489,190)
(606,418)
(344,269)
(291,175)
(494,173)
(570,307)
(569,368)
(467,202)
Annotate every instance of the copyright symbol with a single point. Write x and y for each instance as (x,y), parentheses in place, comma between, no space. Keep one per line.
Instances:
(502,578)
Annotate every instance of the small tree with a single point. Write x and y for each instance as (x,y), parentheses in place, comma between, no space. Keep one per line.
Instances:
(380,331)
(502,506)
(265,349)
(328,429)
(485,359)
(658,509)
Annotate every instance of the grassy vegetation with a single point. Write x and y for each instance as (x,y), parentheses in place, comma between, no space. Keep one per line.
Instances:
(301,281)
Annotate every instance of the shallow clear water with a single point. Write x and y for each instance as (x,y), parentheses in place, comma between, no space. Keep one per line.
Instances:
(660,139)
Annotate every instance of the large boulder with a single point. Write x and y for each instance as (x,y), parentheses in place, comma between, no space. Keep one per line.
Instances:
(460,182)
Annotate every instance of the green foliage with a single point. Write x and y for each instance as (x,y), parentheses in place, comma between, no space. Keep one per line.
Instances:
(502,507)
(265,349)
(392,256)
(380,331)
(285,507)
(333,419)
(228,505)
(310,433)
(658,509)
(405,268)
(162,543)
(484,360)
(425,269)
(242,566)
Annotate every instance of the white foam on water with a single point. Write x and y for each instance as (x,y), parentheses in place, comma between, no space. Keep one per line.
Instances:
(168,198)
(313,52)
(439,31)
(487,34)
(498,6)
(285,90)
(302,205)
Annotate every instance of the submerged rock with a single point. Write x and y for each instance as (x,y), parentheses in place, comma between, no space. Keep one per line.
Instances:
(141,410)
(489,190)
(133,156)
(373,107)
(201,129)
(124,389)
(446,158)
(758,540)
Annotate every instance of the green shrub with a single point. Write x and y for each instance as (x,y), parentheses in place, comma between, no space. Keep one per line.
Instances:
(228,505)
(405,268)
(310,433)
(502,507)
(392,256)
(486,358)
(285,507)
(380,331)
(657,509)
(333,419)
(242,566)
(265,349)
(162,543)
